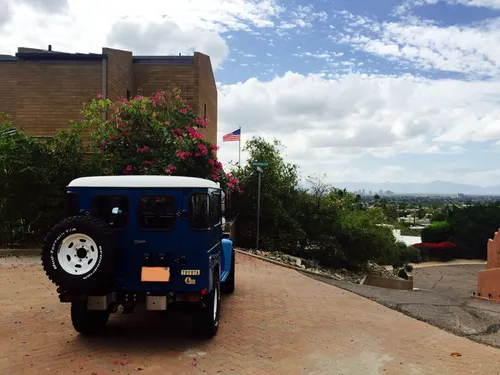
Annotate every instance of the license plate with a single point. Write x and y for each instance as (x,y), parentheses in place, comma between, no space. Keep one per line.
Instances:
(155,274)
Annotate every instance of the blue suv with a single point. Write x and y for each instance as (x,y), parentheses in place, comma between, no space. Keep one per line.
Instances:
(129,240)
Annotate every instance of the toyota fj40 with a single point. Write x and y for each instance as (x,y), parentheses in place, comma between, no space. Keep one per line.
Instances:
(130,240)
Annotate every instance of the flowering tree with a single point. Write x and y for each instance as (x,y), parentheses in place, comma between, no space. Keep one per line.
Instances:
(157,135)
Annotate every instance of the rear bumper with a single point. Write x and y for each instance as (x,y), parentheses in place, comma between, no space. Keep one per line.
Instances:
(152,301)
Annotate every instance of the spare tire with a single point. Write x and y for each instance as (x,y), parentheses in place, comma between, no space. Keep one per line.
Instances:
(79,254)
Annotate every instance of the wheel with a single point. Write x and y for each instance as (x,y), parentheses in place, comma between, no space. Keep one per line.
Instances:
(87,321)
(206,321)
(228,285)
(79,254)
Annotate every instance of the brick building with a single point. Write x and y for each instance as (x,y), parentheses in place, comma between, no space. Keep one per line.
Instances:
(43,91)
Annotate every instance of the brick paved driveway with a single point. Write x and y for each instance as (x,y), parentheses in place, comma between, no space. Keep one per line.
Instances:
(277,322)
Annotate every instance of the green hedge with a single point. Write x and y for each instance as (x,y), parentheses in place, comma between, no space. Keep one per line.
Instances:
(33,178)
(439,231)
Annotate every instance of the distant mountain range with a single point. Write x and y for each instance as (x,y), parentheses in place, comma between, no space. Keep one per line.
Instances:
(433,188)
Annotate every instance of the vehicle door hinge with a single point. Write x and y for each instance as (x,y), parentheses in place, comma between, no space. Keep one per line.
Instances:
(182,214)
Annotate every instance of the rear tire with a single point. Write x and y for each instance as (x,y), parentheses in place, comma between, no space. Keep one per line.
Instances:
(227,286)
(206,321)
(85,321)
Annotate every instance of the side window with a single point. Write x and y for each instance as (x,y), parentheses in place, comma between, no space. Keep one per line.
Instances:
(113,209)
(157,212)
(199,218)
(215,214)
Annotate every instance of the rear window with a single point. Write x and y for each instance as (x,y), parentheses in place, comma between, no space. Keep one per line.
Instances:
(199,215)
(205,211)
(157,212)
(113,209)
(215,209)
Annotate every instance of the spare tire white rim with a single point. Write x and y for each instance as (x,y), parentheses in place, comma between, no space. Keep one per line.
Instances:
(78,254)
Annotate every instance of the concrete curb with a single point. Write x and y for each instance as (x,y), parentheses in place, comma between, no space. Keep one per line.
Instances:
(288,265)
(479,262)
(423,265)
(4,253)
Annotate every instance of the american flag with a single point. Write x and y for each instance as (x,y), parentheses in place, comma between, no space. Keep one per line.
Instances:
(232,137)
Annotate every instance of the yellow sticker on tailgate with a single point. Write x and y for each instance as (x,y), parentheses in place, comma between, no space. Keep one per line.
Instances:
(190,272)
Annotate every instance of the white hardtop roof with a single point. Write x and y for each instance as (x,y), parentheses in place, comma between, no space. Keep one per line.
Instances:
(144,182)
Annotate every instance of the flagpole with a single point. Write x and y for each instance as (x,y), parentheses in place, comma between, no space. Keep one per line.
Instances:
(239,149)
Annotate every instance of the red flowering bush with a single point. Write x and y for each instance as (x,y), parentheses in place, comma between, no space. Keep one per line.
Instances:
(442,251)
(156,135)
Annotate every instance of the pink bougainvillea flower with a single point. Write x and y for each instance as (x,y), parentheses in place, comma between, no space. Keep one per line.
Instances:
(203,149)
(193,133)
(170,169)
(183,154)
(150,120)
(99,96)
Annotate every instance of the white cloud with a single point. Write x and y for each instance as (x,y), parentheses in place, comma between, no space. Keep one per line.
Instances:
(84,26)
(328,56)
(167,38)
(461,49)
(409,4)
(5,12)
(495,4)
(331,121)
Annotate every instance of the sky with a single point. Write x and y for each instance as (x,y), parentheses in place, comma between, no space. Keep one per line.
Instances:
(359,90)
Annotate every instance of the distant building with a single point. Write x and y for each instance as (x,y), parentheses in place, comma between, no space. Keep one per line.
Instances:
(43,91)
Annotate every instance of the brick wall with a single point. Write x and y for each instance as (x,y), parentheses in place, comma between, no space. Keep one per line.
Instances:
(207,95)
(51,94)
(150,78)
(43,95)
(119,73)
(8,87)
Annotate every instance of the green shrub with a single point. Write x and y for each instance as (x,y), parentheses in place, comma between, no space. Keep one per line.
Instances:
(403,255)
(362,239)
(411,232)
(33,177)
(157,135)
(439,231)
